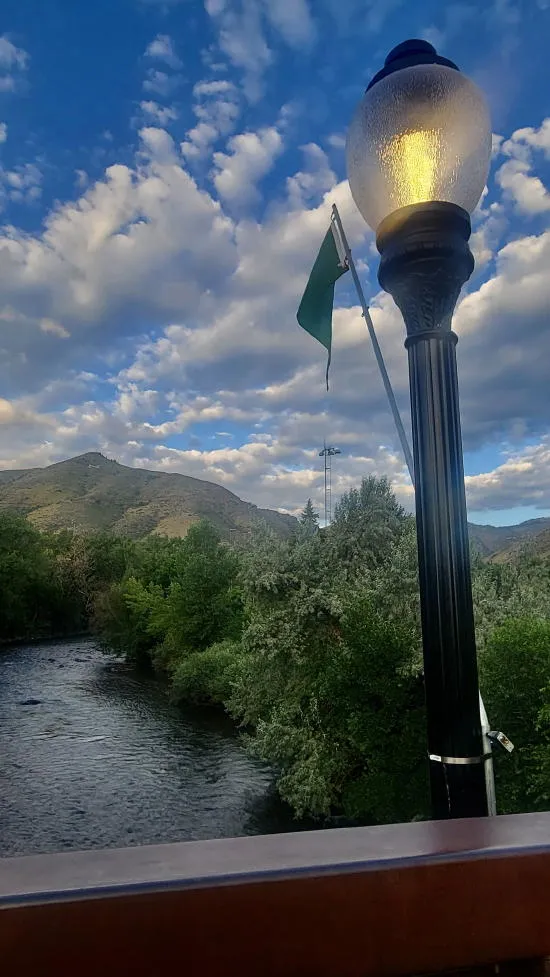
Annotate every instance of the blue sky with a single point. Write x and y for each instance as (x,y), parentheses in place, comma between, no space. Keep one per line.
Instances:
(166,174)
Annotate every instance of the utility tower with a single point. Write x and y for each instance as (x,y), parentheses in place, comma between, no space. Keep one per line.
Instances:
(328,453)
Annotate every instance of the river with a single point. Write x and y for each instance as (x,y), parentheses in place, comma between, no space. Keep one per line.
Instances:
(93,756)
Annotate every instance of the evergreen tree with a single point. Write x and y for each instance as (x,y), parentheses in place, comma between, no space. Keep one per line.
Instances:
(309,520)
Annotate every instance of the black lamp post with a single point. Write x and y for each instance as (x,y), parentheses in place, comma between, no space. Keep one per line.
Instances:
(418,153)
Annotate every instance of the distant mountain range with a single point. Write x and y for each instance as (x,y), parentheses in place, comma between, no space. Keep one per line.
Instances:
(92,493)
(501,543)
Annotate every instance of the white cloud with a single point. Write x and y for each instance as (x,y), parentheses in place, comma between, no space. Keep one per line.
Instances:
(292,18)
(12,57)
(241,39)
(54,328)
(3,132)
(162,49)
(199,141)
(309,184)
(528,192)
(536,138)
(161,115)
(217,104)
(216,87)
(522,480)
(336,140)
(14,62)
(515,176)
(160,83)
(23,184)
(251,155)
(490,225)
(135,403)
(217,108)
(138,240)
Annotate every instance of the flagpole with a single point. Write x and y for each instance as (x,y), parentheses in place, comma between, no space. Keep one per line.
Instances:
(489,773)
(374,340)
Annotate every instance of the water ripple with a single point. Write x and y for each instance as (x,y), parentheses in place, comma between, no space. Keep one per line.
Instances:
(92,756)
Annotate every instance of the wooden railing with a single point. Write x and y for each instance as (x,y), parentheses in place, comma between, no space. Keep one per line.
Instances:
(363,902)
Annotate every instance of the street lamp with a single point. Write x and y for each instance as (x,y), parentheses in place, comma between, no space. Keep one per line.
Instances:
(418,153)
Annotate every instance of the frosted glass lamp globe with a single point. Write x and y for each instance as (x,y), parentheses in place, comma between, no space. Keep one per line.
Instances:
(421,133)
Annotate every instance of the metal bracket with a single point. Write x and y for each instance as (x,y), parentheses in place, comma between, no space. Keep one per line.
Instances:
(460,760)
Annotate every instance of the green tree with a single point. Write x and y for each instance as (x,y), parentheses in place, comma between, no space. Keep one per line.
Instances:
(127,618)
(207,677)
(329,687)
(367,522)
(203,604)
(30,597)
(309,520)
(509,590)
(515,677)
(87,564)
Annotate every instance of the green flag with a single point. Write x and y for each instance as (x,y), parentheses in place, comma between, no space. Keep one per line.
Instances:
(315,311)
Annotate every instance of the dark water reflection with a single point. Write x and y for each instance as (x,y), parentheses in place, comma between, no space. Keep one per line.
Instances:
(94,757)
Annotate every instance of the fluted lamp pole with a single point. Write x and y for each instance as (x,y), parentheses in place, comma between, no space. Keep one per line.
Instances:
(418,153)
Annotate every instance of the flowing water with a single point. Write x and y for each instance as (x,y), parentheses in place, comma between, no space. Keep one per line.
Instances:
(93,756)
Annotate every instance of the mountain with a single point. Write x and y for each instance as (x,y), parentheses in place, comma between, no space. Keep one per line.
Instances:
(539,545)
(495,541)
(92,493)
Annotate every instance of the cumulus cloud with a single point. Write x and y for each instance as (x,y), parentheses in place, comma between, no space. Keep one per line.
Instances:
(505,344)
(162,49)
(536,138)
(217,108)
(160,83)
(159,114)
(216,87)
(251,155)
(522,480)
(23,184)
(310,183)
(515,176)
(239,25)
(136,241)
